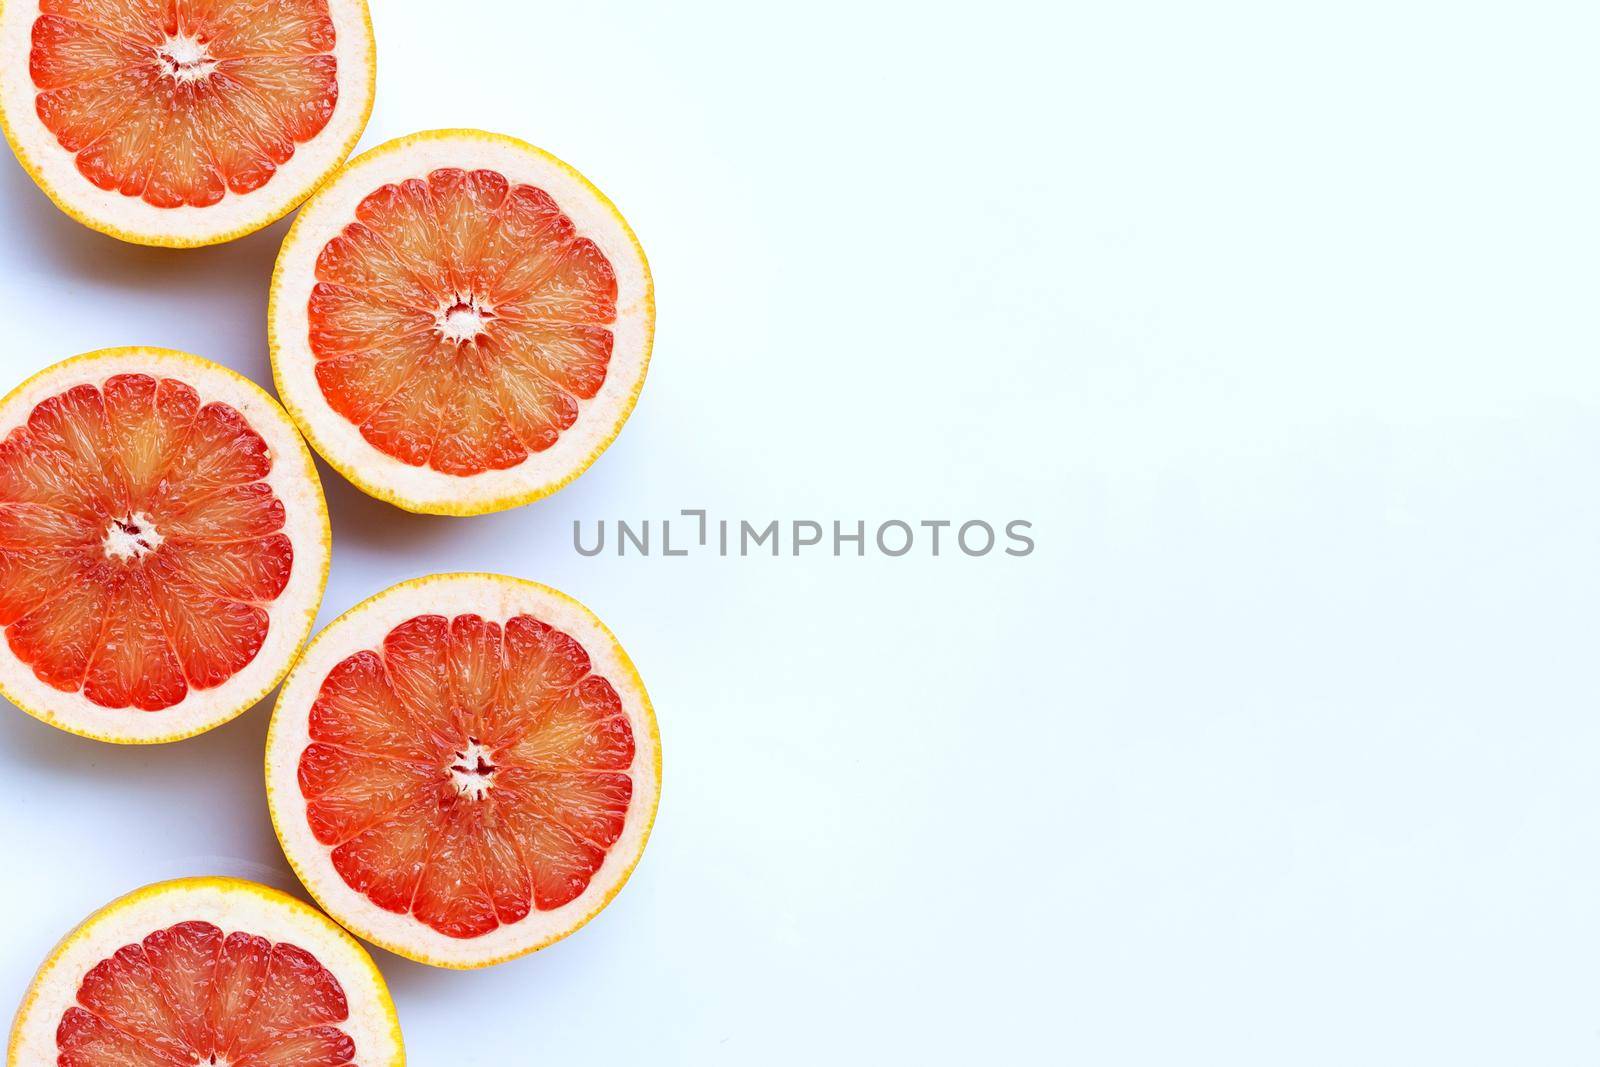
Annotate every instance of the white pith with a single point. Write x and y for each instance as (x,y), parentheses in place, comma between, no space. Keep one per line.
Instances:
(132,218)
(233,907)
(340,441)
(292,478)
(494,598)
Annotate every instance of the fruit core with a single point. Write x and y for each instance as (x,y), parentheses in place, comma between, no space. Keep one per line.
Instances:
(468,772)
(463,322)
(472,772)
(185,58)
(133,537)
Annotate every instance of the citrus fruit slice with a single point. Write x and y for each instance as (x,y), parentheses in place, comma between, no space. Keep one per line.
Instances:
(183,122)
(464,768)
(163,544)
(212,971)
(460,322)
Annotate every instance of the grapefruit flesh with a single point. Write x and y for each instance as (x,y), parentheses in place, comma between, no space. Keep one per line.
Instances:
(460,320)
(180,102)
(191,994)
(468,772)
(164,545)
(139,541)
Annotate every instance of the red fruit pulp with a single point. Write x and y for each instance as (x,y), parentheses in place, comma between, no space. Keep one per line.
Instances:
(190,995)
(138,542)
(183,101)
(468,772)
(459,321)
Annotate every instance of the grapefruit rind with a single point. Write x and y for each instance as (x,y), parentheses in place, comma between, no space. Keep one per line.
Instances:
(494,596)
(293,478)
(232,904)
(339,442)
(130,219)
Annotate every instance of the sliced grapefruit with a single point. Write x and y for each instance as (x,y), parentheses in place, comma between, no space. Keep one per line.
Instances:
(464,768)
(183,122)
(163,545)
(210,971)
(460,322)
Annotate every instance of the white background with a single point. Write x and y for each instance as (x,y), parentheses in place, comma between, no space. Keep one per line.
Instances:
(1276,319)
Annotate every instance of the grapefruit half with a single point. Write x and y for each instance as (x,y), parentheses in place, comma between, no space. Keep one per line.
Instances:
(460,322)
(207,971)
(464,768)
(183,122)
(163,545)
